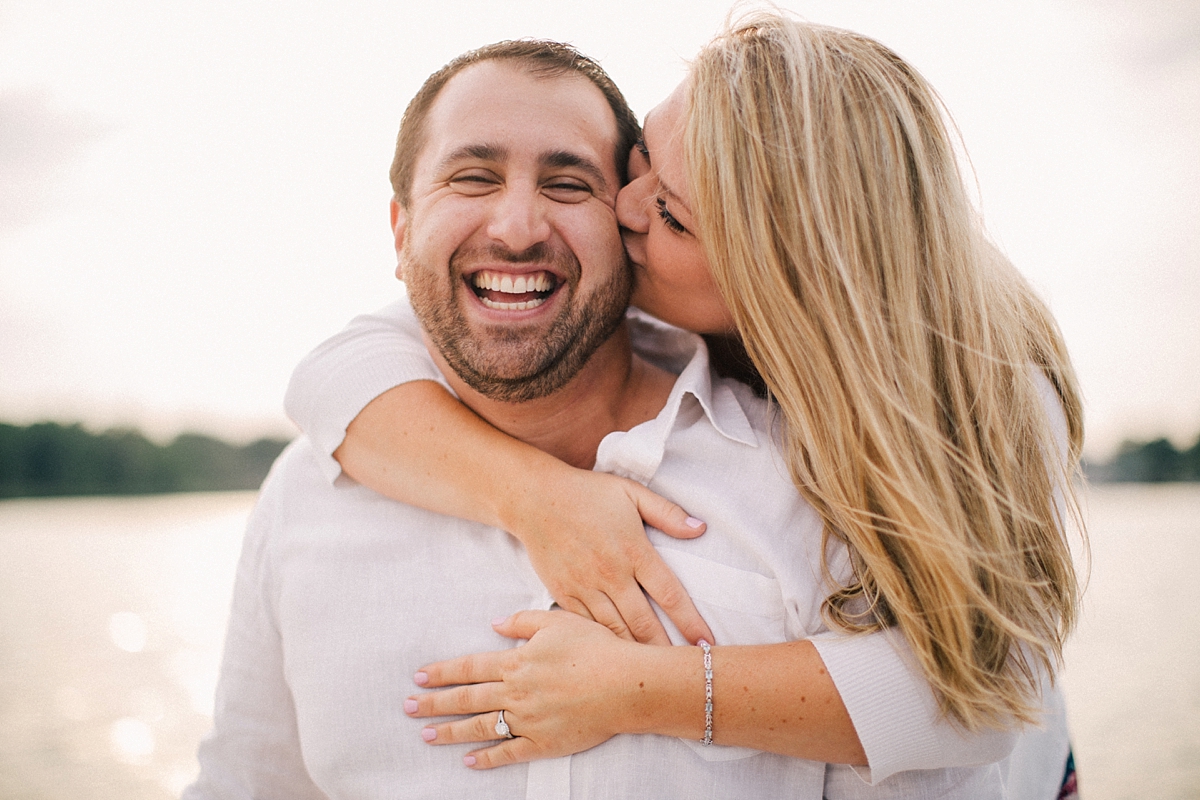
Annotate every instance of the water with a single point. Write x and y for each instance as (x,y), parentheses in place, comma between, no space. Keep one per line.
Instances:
(111,620)
(112,614)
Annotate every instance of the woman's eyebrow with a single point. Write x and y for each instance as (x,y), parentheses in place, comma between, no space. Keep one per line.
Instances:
(667,190)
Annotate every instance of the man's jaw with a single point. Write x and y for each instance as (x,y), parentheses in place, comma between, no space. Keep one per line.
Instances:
(506,290)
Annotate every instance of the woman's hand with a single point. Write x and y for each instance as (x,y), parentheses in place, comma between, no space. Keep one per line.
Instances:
(589,547)
(569,688)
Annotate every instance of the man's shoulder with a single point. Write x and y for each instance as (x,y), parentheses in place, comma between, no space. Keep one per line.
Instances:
(296,487)
(296,468)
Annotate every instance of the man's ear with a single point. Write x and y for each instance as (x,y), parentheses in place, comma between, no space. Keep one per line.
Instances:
(399,227)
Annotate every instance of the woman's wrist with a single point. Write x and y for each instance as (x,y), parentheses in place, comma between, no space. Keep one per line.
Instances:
(526,492)
(667,692)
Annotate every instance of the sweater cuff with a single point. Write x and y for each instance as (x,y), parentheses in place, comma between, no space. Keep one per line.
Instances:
(890,704)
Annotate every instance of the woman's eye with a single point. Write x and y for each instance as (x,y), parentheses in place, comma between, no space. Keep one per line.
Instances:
(668,218)
(640,146)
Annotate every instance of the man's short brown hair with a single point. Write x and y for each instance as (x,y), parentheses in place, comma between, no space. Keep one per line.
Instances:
(540,57)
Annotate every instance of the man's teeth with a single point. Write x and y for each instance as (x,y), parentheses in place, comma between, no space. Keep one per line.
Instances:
(521,284)
(505,283)
(521,306)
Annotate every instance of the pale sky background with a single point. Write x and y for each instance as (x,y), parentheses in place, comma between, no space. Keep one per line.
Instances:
(193,195)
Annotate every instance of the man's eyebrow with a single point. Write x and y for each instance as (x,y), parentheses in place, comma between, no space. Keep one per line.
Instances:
(475,152)
(565,158)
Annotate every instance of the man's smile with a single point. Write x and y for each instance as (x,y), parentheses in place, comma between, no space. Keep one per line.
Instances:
(506,291)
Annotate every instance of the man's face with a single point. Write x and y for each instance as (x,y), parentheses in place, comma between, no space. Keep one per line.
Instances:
(510,246)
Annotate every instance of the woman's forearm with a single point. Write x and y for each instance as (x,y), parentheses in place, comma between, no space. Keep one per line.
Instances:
(573,685)
(417,444)
(778,698)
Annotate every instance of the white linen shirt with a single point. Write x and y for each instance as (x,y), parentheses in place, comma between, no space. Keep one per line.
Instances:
(893,712)
(341,595)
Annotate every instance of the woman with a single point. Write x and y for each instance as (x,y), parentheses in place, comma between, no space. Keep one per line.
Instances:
(799,191)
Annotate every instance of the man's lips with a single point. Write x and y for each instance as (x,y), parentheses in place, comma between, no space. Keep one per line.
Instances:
(507,291)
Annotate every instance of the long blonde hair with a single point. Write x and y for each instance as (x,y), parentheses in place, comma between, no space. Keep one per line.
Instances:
(901,348)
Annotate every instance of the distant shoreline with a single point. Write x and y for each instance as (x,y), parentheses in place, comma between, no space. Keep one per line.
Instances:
(1156,461)
(50,459)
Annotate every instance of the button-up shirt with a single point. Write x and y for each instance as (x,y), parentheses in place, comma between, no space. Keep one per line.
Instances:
(342,595)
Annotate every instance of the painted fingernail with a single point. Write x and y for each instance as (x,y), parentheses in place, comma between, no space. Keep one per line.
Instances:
(410,706)
(498,621)
(429,734)
(469,760)
(692,522)
(421,678)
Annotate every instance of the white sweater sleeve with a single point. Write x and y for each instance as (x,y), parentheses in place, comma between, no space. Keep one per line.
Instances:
(334,382)
(895,712)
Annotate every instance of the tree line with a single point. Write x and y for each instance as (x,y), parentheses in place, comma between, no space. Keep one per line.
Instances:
(52,460)
(1157,461)
(48,459)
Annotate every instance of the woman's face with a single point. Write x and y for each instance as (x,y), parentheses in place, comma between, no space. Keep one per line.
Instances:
(671,276)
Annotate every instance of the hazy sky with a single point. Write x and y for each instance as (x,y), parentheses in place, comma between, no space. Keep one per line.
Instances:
(192,195)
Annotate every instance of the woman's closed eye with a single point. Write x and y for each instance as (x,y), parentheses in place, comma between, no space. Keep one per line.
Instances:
(667,217)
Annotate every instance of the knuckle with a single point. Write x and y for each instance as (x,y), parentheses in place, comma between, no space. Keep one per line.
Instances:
(643,625)
(671,595)
(483,728)
(468,670)
(618,627)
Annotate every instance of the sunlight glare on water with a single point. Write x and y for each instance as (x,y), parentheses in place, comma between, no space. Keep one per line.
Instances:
(128,631)
(112,615)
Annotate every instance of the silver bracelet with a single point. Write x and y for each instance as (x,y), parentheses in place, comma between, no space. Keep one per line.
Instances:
(707,691)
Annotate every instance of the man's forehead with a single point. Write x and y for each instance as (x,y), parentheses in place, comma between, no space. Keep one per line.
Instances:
(504,106)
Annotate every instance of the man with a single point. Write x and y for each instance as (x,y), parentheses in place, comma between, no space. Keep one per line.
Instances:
(507,239)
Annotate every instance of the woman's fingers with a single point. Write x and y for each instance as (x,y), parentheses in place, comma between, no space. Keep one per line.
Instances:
(624,622)
(510,751)
(479,728)
(475,668)
(661,583)
(638,619)
(524,624)
(473,698)
(661,513)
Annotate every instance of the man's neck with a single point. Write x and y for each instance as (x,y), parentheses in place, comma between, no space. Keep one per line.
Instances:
(614,391)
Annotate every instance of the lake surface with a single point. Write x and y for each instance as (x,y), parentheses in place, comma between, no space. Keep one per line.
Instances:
(112,613)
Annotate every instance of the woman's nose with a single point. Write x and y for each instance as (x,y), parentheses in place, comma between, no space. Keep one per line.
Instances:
(633,205)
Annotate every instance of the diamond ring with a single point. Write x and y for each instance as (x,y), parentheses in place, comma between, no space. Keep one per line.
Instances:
(502,727)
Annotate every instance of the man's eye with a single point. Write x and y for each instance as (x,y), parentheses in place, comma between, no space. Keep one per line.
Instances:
(474,182)
(567,191)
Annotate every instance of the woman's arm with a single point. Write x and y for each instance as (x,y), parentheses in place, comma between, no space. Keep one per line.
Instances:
(371,397)
(574,685)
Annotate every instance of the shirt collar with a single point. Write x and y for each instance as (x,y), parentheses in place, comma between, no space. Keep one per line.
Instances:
(637,453)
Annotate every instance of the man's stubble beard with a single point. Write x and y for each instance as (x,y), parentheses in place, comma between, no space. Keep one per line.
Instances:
(516,363)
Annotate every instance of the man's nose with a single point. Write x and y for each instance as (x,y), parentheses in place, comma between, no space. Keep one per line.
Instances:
(519,221)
